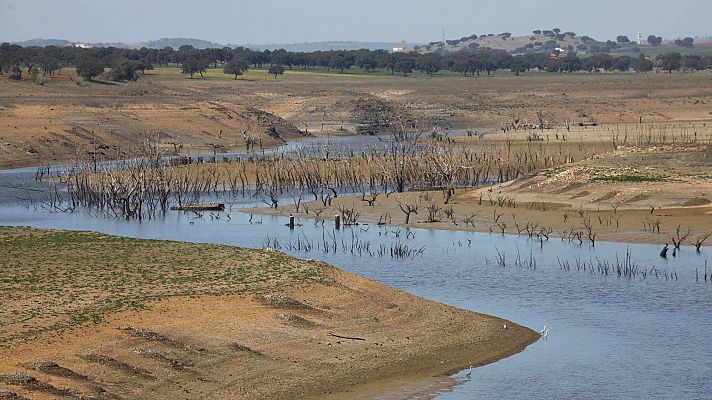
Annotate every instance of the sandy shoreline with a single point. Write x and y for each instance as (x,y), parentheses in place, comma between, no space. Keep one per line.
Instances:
(288,344)
(630,229)
(633,194)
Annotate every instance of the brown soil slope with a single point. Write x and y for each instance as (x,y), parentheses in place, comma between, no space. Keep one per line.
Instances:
(67,122)
(40,124)
(258,325)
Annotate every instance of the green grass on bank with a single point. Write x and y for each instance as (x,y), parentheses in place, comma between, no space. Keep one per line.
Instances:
(52,280)
(173,75)
(627,179)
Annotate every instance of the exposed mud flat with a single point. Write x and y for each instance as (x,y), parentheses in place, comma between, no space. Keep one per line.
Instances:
(315,338)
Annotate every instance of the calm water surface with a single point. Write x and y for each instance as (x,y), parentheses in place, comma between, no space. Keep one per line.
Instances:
(610,337)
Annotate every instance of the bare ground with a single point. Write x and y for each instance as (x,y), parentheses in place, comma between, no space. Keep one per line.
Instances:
(62,119)
(632,194)
(328,332)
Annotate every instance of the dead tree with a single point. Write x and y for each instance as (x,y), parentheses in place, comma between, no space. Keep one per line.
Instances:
(701,240)
(679,238)
(589,229)
(384,219)
(298,201)
(273,198)
(433,212)
(408,209)
(349,216)
(370,199)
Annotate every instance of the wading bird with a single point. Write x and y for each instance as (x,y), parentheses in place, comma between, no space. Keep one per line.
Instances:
(469,373)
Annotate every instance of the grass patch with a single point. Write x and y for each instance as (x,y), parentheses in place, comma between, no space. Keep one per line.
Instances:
(552,171)
(52,280)
(627,179)
(261,74)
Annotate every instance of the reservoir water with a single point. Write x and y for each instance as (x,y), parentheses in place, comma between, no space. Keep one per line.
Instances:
(611,336)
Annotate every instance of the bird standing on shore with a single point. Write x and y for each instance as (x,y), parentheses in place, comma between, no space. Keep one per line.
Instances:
(469,373)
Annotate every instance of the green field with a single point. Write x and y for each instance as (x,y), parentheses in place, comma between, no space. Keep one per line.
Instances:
(172,73)
(261,74)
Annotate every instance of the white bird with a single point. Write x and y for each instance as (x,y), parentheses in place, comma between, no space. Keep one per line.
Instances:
(544,333)
(469,373)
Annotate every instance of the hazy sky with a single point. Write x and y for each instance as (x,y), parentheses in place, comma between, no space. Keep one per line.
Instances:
(271,21)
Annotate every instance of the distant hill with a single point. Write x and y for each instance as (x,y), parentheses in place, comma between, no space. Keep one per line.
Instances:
(536,42)
(549,40)
(44,42)
(304,47)
(699,48)
(178,42)
(335,45)
(39,42)
(204,44)
(539,42)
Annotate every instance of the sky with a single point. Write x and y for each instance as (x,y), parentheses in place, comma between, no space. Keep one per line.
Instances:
(297,21)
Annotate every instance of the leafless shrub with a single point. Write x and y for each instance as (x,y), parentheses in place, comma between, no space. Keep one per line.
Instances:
(679,237)
(701,240)
(370,199)
(349,216)
(408,209)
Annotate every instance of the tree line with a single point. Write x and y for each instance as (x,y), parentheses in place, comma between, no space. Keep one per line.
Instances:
(129,64)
